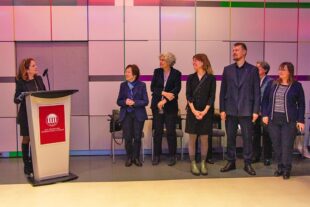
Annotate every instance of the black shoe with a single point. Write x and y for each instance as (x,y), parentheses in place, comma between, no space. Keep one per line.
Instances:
(137,162)
(156,160)
(128,162)
(267,162)
(286,175)
(255,160)
(249,169)
(172,161)
(228,167)
(278,173)
(210,161)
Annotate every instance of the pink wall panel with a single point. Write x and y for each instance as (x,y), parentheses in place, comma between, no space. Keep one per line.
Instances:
(6,23)
(8,134)
(100,28)
(69,23)
(32,23)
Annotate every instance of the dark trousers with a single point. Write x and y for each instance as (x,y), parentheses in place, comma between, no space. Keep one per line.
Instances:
(260,130)
(132,133)
(282,134)
(169,121)
(247,134)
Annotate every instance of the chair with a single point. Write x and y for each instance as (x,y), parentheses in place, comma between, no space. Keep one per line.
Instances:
(179,134)
(218,132)
(117,134)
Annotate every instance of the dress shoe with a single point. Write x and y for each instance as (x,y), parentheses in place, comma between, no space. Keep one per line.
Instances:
(137,162)
(172,161)
(228,167)
(194,168)
(203,168)
(156,160)
(267,162)
(249,169)
(210,161)
(278,173)
(286,175)
(128,162)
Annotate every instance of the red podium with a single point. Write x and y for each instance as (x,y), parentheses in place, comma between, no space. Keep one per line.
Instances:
(49,115)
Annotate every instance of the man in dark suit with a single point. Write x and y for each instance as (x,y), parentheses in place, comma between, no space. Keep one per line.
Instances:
(239,104)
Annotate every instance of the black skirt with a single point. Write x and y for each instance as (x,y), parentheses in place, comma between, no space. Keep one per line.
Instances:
(199,127)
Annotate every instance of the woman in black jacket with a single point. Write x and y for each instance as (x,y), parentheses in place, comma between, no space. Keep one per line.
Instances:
(27,79)
(200,95)
(283,110)
(165,87)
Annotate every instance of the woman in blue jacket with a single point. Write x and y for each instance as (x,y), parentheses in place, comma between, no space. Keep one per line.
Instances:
(132,99)
(283,110)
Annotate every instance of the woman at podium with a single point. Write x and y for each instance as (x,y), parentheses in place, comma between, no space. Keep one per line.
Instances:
(27,80)
(132,99)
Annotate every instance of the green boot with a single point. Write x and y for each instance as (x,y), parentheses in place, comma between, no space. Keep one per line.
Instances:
(204,170)
(194,168)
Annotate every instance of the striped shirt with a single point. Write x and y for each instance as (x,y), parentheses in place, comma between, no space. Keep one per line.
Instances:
(280,99)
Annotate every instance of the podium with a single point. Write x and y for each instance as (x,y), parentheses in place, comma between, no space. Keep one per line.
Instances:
(49,114)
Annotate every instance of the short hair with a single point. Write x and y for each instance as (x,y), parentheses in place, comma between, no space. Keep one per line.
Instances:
(264,65)
(169,58)
(243,45)
(135,70)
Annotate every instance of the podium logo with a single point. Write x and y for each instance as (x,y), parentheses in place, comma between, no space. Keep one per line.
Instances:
(52,120)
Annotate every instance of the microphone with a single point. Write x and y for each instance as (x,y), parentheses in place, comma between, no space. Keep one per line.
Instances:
(45,72)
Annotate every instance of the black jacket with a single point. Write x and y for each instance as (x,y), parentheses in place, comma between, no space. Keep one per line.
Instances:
(23,86)
(173,85)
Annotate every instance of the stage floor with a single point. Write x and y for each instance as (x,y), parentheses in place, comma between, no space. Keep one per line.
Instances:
(258,191)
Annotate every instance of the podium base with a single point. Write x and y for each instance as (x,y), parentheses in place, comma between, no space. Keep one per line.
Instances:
(35,183)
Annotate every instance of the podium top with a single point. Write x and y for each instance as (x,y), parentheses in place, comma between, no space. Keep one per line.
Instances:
(51,94)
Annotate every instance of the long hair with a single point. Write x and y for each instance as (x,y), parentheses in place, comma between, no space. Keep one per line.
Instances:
(22,70)
(290,68)
(206,62)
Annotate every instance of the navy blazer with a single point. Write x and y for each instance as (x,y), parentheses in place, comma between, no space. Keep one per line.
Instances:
(139,97)
(173,85)
(240,98)
(294,102)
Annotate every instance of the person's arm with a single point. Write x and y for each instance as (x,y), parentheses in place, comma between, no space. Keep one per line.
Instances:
(301,104)
(19,96)
(144,101)
(256,92)
(223,92)
(211,100)
(121,100)
(177,87)
(154,88)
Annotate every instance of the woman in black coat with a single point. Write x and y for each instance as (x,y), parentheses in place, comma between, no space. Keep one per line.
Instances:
(165,87)
(27,79)
(200,95)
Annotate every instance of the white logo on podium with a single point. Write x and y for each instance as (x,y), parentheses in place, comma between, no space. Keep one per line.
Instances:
(52,120)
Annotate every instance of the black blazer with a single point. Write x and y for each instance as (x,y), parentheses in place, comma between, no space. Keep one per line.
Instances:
(243,98)
(139,97)
(23,86)
(173,85)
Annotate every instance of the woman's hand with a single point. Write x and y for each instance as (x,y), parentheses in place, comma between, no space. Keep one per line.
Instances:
(169,96)
(129,102)
(161,104)
(300,126)
(265,120)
